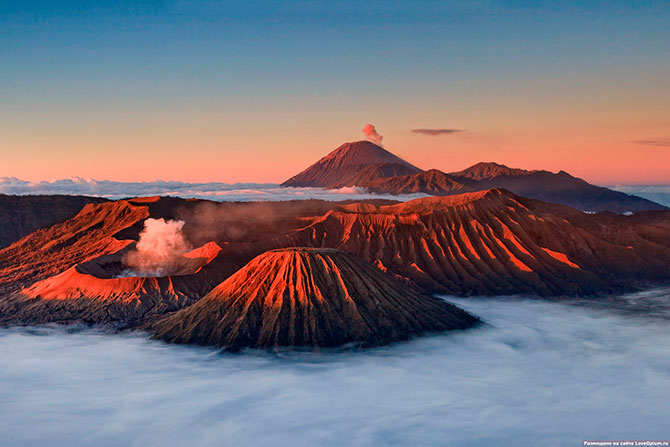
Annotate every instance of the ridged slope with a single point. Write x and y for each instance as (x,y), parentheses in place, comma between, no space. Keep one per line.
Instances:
(496,243)
(309,297)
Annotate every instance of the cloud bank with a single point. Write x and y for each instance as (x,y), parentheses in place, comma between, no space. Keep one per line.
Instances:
(212,191)
(657,193)
(436,132)
(663,142)
(539,373)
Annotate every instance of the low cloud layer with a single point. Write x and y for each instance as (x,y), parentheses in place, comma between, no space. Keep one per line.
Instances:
(539,373)
(212,191)
(657,193)
(371,134)
(663,142)
(436,132)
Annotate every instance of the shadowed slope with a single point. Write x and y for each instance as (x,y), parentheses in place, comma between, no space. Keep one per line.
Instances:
(433,182)
(488,171)
(21,215)
(561,188)
(309,297)
(352,164)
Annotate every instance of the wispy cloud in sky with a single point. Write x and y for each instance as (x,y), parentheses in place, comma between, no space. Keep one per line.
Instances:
(436,132)
(663,142)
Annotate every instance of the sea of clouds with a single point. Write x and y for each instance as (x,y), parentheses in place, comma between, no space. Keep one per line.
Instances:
(656,193)
(212,190)
(538,373)
(237,191)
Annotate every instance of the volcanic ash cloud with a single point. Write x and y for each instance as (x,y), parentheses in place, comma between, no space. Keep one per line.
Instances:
(372,135)
(159,250)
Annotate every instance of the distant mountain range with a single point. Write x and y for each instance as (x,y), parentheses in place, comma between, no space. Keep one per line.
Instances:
(367,165)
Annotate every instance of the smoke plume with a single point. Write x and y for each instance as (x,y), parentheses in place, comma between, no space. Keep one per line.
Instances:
(371,134)
(160,249)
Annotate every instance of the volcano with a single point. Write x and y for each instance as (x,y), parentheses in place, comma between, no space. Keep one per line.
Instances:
(480,243)
(309,297)
(98,292)
(352,164)
(497,243)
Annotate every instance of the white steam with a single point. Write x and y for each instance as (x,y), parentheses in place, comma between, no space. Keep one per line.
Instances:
(372,135)
(159,251)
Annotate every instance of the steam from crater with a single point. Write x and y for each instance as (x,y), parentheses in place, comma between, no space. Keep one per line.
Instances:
(159,251)
(371,134)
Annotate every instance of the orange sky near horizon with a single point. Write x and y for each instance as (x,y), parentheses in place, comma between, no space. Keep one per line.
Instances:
(602,138)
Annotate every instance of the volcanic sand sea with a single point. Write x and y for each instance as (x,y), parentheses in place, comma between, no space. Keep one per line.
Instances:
(538,373)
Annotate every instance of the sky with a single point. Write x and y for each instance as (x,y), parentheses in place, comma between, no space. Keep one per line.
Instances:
(219,91)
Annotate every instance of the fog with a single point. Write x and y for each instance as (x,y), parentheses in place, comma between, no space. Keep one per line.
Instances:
(213,190)
(656,193)
(538,373)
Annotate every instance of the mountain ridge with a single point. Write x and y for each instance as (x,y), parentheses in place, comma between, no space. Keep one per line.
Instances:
(384,174)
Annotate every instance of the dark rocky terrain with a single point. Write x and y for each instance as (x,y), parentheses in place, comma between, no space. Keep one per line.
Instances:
(20,215)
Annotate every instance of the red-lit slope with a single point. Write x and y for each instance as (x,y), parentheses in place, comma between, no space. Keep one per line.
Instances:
(54,249)
(352,164)
(494,243)
(309,297)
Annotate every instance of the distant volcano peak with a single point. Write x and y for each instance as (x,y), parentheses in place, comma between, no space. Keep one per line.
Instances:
(364,152)
(352,164)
